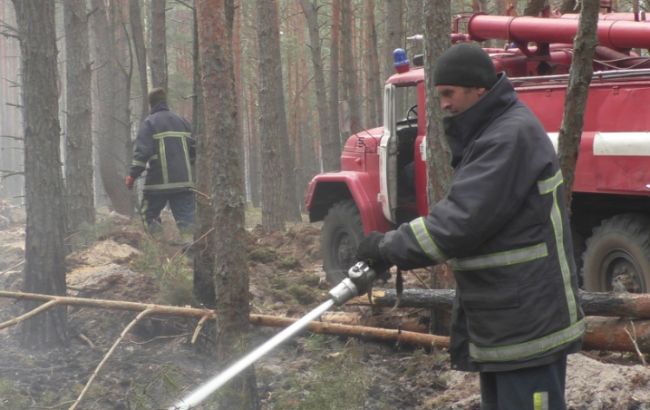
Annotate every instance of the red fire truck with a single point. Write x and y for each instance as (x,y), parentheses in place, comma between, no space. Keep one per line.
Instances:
(611,193)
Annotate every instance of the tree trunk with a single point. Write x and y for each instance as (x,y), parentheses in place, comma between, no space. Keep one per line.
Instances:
(273,119)
(349,70)
(80,200)
(535,7)
(374,84)
(123,66)
(158,50)
(45,230)
(414,25)
(254,148)
(438,23)
(140,51)
(112,148)
(335,41)
(11,144)
(329,149)
(204,261)
(577,92)
(197,91)
(439,172)
(395,31)
(569,6)
(223,143)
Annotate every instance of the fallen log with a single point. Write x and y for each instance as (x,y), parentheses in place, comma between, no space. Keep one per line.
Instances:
(614,334)
(630,305)
(622,335)
(379,334)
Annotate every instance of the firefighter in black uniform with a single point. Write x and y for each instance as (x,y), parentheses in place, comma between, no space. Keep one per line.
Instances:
(503,229)
(165,148)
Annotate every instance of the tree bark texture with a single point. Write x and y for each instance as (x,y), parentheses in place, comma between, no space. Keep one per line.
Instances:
(254,150)
(374,82)
(223,142)
(204,236)
(349,68)
(329,152)
(140,51)
(123,66)
(395,32)
(79,168)
(577,92)
(44,197)
(335,42)
(437,32)
(197,91)
(414,25)
(158,50)
(272,119)
(535,7)
(569,6)
(11,149)
(112,145)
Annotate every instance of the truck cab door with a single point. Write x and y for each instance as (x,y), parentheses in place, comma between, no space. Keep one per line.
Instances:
(388,158)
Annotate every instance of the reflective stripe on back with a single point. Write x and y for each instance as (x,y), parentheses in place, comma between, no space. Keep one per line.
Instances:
(166,134)
(547,186)
(163,160)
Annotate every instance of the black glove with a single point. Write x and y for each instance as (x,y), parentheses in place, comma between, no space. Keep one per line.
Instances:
(368,252)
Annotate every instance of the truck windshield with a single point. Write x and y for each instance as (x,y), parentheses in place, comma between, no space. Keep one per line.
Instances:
(405,101)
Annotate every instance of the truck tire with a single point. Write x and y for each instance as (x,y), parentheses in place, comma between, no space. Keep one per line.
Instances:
(617,257)
(340,236)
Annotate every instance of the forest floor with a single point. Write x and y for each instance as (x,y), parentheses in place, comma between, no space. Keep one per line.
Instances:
(155,364)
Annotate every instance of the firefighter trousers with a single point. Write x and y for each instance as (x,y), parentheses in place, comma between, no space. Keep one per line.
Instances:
(181,204)
(534,388)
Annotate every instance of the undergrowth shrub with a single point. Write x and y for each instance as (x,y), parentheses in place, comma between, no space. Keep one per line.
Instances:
(88,234)
(173,274)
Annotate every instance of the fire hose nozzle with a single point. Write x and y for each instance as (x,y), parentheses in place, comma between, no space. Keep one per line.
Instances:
(359,280)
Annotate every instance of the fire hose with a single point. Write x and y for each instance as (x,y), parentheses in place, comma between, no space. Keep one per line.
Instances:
(359,280)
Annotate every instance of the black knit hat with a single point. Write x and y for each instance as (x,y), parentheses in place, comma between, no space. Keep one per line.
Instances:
(465,65)
(156,96)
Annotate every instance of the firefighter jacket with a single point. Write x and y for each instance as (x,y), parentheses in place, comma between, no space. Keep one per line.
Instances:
(165,147)
(503,229)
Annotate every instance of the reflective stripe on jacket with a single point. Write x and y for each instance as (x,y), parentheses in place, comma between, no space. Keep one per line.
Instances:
(165,147)
(504,231)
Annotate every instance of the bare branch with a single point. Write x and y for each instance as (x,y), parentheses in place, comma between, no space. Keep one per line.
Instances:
(45,306)
(12,137)
(198,328)
(182,3)
(633,338)
(7,30)
(110,352)
(4,174)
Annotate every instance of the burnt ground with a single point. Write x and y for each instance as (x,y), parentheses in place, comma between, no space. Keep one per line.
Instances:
(155,364)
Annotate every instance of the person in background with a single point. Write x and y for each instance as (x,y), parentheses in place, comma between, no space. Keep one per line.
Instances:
(503,229)
(165,148)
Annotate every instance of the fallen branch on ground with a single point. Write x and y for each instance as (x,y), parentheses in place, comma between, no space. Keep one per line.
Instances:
(108,354)
(602,333)
(373,333)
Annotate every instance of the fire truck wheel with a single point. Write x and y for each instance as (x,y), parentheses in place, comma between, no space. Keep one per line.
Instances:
(617,257)
(341,233)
